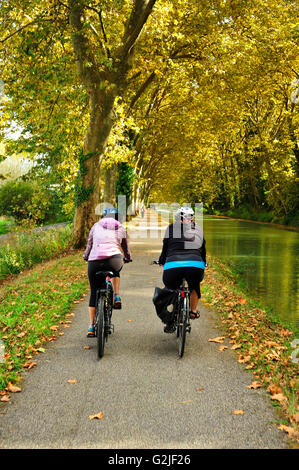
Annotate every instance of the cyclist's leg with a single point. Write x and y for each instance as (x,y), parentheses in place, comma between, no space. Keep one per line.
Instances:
(117,300)
(93,267)
(116,283)
(194,276)
(172,279)
(115,264)
(193,303)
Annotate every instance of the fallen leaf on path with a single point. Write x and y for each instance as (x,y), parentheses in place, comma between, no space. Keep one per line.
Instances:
(185,402)
(285,332)
(222,348)
(13,388)
(236,346)
(291,431)
(54,328)
(274,389)
(29,364)
(279,397)
(242,301)
(219,339)
(97,416)
(238,412)
(272,343)
(72,381)
(5,398)
(86,347)
(199,389)
(129,321)
(254,385)
(243,359)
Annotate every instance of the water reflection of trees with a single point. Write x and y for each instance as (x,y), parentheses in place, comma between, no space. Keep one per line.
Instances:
(263,256)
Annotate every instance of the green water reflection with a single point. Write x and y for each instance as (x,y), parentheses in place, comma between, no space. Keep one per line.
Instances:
(266,258)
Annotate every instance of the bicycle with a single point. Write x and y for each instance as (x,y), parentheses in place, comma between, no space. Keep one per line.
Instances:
(182,314)
(104,306)
(103,313)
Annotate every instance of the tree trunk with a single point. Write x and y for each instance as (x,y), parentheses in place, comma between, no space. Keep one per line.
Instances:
(110,185)
(100,124)
(103,85)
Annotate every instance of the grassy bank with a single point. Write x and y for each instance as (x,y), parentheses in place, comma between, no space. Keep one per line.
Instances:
(266,216)
(35,307)
(28,248)
(262,343)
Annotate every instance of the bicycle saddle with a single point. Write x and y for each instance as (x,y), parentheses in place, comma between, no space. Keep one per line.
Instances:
(105,274)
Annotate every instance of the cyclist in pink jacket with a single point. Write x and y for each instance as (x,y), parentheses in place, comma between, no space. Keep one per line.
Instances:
(106,241)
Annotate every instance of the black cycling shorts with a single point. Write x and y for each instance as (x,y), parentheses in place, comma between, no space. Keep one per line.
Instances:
(173,277)
(114,264)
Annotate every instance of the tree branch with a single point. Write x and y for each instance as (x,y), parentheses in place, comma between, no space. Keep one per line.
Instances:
(89,74)
(139,15)
(99,13)
(20,29)
(142,89)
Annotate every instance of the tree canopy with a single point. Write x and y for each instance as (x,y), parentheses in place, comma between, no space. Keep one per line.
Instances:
(199,98)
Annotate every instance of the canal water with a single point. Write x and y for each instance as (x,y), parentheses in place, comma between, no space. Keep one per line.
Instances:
(265,257)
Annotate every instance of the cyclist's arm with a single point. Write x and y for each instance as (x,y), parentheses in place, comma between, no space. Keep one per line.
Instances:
(203,251)
(126,248)
(89,245)
(162,258)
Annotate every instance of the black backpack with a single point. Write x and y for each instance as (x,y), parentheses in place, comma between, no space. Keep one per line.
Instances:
(165,301)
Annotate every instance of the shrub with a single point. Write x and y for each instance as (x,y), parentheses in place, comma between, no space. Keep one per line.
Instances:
(24,200)
(30,248)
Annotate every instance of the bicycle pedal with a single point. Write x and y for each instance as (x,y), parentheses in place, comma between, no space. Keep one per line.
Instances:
(188,328)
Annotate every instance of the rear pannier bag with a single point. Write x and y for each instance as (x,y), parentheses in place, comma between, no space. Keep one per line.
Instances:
(165,301)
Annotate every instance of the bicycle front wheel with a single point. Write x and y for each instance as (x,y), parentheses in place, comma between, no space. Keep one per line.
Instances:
(100,327)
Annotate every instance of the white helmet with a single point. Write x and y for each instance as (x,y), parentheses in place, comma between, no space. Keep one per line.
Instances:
(184,213)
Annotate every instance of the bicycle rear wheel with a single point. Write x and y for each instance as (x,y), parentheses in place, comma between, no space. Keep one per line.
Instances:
(108,312)
(182,326)
(100,327)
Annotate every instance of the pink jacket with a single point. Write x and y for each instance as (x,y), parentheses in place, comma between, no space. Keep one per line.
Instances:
(106,238)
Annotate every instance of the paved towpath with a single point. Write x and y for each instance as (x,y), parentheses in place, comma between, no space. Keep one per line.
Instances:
(148,396)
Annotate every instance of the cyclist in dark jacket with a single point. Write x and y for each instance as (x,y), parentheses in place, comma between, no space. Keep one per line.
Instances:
(184,256)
